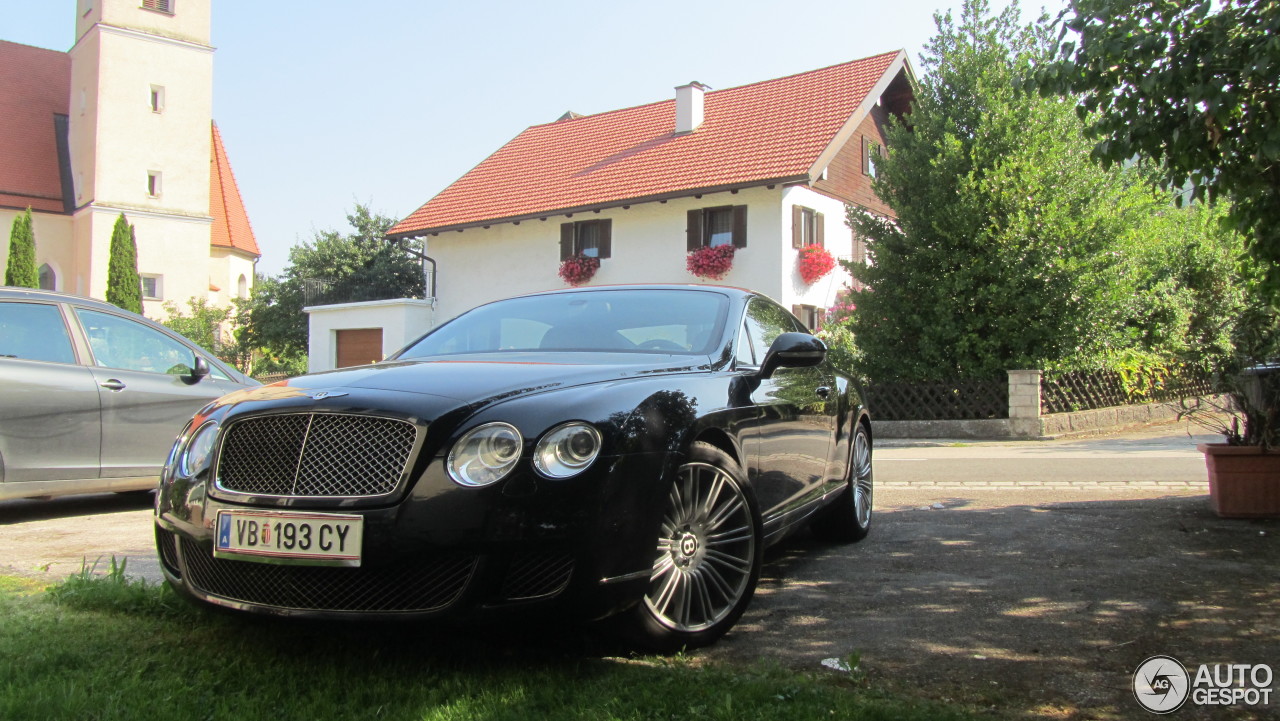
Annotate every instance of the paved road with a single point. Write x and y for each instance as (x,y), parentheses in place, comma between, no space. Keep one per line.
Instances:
(55,538)
(1162,457)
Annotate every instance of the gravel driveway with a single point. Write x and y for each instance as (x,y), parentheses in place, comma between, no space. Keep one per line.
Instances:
(1031,577)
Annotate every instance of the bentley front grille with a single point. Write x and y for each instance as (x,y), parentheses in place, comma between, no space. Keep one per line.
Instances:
(427,586)
(315,454)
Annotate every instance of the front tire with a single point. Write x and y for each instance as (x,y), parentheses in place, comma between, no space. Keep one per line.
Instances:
(707,557)
(848,518)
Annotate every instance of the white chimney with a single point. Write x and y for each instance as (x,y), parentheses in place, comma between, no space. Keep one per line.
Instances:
(689,106)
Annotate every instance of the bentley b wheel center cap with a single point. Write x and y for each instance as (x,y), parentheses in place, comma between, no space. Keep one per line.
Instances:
(687,549)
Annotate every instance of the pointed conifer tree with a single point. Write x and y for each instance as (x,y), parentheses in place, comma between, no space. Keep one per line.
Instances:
(20,270)
(124,286)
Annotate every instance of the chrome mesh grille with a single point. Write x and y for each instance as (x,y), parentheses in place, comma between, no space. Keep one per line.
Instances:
(315,454)
(430,585)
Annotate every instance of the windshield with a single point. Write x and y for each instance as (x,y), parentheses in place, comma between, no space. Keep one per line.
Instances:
(597,321)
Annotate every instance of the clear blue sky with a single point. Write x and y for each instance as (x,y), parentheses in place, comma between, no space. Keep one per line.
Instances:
(326,103)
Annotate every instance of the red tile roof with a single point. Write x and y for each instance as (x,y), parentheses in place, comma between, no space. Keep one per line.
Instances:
(768,131)
(231,227)
(35,84)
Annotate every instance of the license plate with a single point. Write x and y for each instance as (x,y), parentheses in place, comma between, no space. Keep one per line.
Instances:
(283,537)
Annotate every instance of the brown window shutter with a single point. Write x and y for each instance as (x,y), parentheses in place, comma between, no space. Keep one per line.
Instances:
(819,234)
(797,220)
(566,240)
(694,230)
(739,226)
(604,243)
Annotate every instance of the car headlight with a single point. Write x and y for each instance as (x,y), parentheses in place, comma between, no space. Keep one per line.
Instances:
(178,444)
(485,454)
(199,451)
(567,450)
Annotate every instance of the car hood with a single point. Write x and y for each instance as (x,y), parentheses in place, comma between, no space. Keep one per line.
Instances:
(442,385)
(477,380)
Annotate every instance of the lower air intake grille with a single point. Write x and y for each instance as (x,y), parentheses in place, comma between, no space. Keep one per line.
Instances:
(537,575)
(428,586)
(315,454)
(168,550)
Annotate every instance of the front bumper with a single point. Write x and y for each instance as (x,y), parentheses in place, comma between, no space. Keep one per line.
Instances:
(585,544)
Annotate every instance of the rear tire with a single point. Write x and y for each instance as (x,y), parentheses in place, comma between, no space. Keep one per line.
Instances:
(848,517)
(708,556)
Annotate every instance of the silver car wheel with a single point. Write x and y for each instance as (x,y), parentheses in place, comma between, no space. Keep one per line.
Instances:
(862,477)
(706,550)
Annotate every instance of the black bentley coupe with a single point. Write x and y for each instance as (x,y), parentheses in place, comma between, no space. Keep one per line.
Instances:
(621,451)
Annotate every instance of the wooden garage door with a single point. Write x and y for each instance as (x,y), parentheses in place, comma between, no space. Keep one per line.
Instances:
(359,346)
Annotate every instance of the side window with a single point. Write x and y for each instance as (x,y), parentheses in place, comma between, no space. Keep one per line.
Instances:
(764,323)
(806,227)
(810,316)
(34,331)
(128,345)
(592,238)
(726,225)
(744,355)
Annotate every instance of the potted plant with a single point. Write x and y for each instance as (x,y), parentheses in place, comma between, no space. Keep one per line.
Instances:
(814,262)
(711,261)
(578,269)
(1244,470)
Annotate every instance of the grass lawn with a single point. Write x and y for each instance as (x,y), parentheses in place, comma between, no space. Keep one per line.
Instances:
(107,647)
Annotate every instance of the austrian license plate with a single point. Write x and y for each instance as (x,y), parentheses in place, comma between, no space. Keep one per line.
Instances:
(285,537)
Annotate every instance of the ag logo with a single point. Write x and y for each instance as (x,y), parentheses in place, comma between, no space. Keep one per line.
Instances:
(1161,684)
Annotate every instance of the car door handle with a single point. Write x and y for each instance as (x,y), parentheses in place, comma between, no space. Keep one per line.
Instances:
(112,384)
(823,391)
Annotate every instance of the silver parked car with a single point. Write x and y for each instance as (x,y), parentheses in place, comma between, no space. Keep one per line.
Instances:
(92,396)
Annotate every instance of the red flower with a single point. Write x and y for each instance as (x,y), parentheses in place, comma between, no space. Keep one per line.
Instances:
(814,262)
(578,269)
(713,262)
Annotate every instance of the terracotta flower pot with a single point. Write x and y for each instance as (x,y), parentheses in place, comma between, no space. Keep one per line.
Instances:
(1244,481)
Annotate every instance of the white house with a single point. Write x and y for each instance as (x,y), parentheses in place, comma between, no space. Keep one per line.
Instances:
(768,167)
(122,124)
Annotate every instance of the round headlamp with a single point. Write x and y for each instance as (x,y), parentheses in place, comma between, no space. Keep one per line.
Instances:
(199,453)
(485,455)
(567,450)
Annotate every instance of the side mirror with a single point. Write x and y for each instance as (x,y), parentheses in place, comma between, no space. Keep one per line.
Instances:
(200,371)
(793,350)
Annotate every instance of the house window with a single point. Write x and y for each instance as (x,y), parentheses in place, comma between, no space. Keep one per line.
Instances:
(723,225)
(153,183)
(806,227)
(242,287)
(160,6)
(872,154)
(48,278)
(592,238)
(157,98)
(152,287)
(810,315)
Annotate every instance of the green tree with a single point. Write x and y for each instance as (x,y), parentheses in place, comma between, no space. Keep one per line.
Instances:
(124,285)
(21,271)
(1193,85)
(355,266)
(1007,249)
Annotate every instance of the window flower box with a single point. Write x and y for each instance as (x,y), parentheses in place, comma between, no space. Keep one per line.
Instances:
(578,269)
(711,262)
(814,262)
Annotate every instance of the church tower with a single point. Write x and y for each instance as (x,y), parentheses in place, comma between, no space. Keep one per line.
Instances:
(140,138)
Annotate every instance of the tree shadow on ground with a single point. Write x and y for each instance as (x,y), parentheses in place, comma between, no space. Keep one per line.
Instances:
(1037,609)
